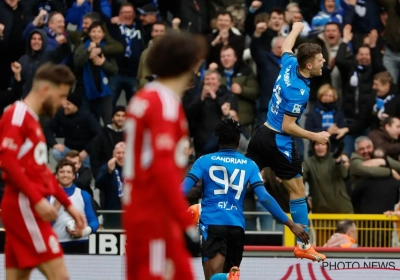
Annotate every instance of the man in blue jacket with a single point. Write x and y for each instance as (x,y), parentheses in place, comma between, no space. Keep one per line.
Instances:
(109,180)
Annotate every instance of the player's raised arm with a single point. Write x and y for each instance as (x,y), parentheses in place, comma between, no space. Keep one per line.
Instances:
(290,127)
(288,44)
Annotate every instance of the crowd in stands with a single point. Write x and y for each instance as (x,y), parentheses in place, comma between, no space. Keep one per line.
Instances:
(106,43)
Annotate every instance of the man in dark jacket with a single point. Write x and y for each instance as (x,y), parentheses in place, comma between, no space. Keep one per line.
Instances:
(387,137)
(357,93)
(104,143)
(36,55)
(13,93)
(14,17)
(268,67)
(110,181)
(127,33)
(83,176)
(325,173)
(207,109)
(76,125)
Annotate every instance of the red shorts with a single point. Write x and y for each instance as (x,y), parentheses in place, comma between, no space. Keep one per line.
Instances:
(29,240)
(153,253)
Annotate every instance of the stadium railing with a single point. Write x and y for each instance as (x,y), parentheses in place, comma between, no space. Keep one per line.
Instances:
(373,230)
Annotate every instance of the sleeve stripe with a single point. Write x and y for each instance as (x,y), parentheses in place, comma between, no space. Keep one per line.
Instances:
(256,184)
(291,114)
(193,177)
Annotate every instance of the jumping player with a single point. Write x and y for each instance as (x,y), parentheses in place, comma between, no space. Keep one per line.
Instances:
(26,213)
(155,217)
(272,145)
(226,176)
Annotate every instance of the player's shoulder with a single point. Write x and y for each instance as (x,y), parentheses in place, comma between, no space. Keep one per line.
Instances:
(157,98)
(16,114)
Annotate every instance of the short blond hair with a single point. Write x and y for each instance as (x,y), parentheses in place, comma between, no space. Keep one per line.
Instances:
(324,89)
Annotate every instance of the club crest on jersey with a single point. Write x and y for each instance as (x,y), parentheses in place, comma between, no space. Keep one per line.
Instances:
(40,153)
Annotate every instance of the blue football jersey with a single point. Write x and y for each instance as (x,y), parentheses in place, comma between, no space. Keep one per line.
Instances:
(290,94)
(226,176)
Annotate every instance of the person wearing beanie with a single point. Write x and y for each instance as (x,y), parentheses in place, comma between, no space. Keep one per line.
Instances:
(104,143)
(76,125)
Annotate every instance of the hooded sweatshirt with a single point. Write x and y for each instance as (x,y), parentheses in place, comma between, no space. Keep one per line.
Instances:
(327,186)
(323,17)
(32,60)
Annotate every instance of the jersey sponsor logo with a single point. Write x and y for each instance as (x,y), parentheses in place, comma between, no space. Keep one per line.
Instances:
(182,152)
(296,108)
(138,107)
(40,153)
(164,141)
(230,160)
(286,76)
(8,143)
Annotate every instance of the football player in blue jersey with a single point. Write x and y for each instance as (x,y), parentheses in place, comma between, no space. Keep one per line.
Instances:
(226,176)
(272,144)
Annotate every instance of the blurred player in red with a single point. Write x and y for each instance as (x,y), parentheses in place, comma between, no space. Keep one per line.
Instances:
(156,219)
(26,213)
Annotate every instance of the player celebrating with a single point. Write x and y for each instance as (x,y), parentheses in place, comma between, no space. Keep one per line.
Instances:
(155,217)
(26,213)
(226,175)
(272,145)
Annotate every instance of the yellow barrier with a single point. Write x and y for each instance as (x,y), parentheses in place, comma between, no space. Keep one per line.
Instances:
(373,230)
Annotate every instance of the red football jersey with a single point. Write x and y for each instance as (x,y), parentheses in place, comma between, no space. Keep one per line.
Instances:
(23,157)
(156,135)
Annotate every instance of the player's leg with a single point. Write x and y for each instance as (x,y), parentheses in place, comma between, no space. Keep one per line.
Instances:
(54,269)
(178,262)
(287,166)
(256,149)
(18,274)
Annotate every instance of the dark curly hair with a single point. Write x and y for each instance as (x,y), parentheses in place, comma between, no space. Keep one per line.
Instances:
(228,132)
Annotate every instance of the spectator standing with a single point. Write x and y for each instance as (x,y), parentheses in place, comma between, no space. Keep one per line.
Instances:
(391,59)
(73,241)
(78,127)
(325,174)
(207,109)
(96,72)
(268,67)
(326,116)
(110,181)
(363,165)
(224,35)
(14,17)
(331,11)
(144,74)
(13,93)
(104,143)
(242,82)
(387,137)
(75,14)
(148,16)
(357,92)
(83,175)
(129,35)
(345,236)
(36,55)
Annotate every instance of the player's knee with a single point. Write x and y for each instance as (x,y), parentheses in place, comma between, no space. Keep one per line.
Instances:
(62,276)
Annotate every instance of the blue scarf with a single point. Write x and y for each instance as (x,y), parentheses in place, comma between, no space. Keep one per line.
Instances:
(200,74)
(106,8)
(228,74)
(90,87)
(380,103)
(47,8)
(119,183)
(328,118)
(129,34)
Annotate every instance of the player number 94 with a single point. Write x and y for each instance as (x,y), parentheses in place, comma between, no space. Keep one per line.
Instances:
(226,181)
